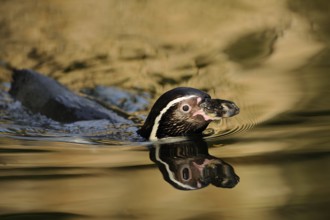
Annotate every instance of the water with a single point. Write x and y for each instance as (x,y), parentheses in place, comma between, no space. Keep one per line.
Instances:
(270,57)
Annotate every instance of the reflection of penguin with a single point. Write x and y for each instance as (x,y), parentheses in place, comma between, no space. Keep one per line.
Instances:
(181,111)
(188,166)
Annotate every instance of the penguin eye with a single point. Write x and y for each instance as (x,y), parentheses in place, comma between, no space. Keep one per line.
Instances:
(185,108)
(185,174)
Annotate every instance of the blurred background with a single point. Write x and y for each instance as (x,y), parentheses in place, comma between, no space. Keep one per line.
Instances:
(271,57)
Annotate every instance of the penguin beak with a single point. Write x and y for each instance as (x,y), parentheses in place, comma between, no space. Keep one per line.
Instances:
(215,109)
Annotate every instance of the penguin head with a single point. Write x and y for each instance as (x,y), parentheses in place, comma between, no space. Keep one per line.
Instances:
(184,111)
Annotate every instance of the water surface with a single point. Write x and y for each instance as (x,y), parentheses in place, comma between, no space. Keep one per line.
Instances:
(270,57)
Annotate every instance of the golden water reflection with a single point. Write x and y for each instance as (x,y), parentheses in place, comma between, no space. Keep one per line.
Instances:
(270,57)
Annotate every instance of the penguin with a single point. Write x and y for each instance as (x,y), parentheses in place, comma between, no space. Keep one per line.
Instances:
(182,111)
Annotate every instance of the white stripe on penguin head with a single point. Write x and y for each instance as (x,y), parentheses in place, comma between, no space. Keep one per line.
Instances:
(153,134)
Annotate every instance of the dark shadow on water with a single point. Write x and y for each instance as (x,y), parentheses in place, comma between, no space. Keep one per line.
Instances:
(42,216)
(9,150)
(189,166)
(45,177)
